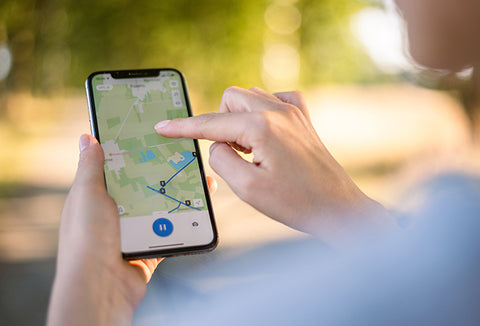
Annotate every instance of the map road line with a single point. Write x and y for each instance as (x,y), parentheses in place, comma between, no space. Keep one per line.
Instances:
(173,176)
(178,201)
(123,123)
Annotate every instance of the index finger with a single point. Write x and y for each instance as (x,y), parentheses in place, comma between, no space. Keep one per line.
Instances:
(218,127)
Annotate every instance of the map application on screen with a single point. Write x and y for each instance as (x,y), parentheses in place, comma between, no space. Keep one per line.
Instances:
(154,180)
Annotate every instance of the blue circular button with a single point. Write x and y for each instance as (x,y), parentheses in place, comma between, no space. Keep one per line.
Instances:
(162,227)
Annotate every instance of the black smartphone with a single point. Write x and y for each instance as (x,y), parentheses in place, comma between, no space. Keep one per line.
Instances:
(158,183)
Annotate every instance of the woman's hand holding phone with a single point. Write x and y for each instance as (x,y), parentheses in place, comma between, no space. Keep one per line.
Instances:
(106,288)
(293,178)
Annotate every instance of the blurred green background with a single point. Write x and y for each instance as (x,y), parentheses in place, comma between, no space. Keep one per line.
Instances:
(341,53)
(56,44)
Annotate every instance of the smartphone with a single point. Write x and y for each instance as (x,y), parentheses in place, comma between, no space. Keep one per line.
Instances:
(158,183)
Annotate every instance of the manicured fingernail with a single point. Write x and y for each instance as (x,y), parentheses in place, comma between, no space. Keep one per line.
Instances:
(85,141)
(161,124)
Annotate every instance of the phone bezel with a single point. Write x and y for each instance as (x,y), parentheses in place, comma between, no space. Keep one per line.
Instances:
(142,73)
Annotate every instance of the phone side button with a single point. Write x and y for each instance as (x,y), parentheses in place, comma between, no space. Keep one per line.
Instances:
(162,227)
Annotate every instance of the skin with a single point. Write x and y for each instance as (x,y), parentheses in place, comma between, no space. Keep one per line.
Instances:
(293,178)
(93,284)
(443,34)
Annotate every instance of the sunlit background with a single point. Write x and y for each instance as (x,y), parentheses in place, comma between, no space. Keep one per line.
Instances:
(387,121)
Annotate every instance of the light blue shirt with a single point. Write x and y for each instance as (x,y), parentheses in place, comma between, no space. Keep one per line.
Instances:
(428,275)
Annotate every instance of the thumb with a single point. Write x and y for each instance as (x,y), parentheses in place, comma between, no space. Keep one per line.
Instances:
(90,164)
(231,167)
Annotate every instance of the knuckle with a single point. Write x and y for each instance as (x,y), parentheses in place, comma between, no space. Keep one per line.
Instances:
(255,89)
(227,97)
(294,98)
(297,94)
(291,110)
(231,90)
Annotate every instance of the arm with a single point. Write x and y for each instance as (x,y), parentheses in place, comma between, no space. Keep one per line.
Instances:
(293,178)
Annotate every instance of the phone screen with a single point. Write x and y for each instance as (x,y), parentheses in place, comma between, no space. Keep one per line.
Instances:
(157,183)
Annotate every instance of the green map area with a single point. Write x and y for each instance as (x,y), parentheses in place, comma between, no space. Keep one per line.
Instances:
(144,171)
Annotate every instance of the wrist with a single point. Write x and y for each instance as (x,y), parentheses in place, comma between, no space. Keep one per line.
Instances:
(357,223)
(90,295)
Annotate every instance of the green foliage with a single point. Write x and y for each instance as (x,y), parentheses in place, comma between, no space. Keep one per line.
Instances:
(56,44)
(329,51)
(215,43)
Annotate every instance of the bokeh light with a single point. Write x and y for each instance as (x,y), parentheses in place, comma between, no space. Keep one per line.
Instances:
(382,34)
(283,18)
(5,61)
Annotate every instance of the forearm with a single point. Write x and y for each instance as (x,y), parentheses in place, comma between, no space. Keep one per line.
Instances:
(77,300)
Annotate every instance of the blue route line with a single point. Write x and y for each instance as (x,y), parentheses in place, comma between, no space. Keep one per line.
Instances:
(173,176)
(178,201)
(175,208)
(181,203)
(154,189)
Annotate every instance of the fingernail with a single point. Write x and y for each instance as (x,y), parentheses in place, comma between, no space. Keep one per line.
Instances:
(84,142)
(212,147)
(161,124)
